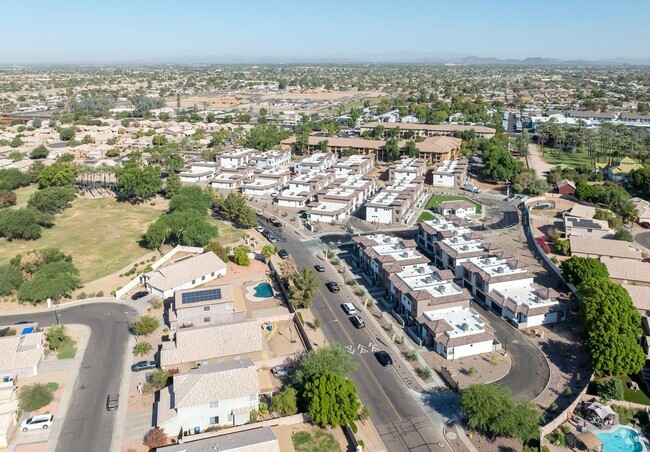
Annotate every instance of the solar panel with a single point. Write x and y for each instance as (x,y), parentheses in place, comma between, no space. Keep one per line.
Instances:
(201,295)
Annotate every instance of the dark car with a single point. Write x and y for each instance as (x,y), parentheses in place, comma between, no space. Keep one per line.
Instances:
(333,286)
(384,358)
(283,254)
(143,365)
(319,268)
(112,401)
(275,222)
(357,322)
(138,295)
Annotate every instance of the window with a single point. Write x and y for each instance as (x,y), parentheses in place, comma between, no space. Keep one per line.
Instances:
(252,398)
(230,418)
(194,281)
(203,278)
(206,319)
(212,274)
(214,404)
(228,306)
(214,420)
(206,308)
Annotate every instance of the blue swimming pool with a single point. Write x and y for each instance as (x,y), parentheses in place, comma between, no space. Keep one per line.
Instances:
(264,290)
(621,439)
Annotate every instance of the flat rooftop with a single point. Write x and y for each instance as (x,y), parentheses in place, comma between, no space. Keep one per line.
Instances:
(328,207)
(494,266)
(463,245)
(262,183)
(425,277)
(464,321)
(525,295)
(236,152)
(309,177)
(316,158)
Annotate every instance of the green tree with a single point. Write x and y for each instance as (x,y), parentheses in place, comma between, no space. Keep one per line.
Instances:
(136,182)
(142,348)
(262,117)
(264,137)
(411,149)
(7,198)
(15,156)
(59,174)
(285,403)
(624,234)
(240,256)
(68,134)
(222,251)
(172,185)
(234,208)
(56,336)
(16,142)
(158,378)
(577,270)
(155,438)
(53,280)
(391,149)
(11,179)
(37,123)
(247,217)
(52,200)
(333,358)
(268,251)
(11,277)
(37,395)
(499,164)
(331,400)
(613,327)
(563,247)
(191,198)
(146,325)
(303,290)
(19,224)
(612,389)
(39,152)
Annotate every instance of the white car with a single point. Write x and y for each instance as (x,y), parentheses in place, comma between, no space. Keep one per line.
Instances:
(259,229)
(469,220)
(349,308)
(43,421)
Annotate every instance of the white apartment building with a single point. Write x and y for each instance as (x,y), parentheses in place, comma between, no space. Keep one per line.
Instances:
(319,161)
(432,231)
(235,157)
(355,164)
(198,172)
(227,181)
(266,182)
(271,159)
(449,174)
(450,253)
(395,204)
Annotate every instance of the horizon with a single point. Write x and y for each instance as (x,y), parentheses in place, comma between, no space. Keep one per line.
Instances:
(288,32)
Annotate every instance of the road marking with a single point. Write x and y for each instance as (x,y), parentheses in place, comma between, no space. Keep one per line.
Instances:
(372,375)
(349,349)
(361,349)
(373,347)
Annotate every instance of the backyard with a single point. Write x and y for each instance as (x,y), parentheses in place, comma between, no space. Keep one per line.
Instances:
(435,200)
(425,216)
(314,440)
(557,158)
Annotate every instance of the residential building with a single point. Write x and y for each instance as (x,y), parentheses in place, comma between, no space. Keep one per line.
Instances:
(208,396)
(460,208)
(316,162)
(566,187)
(457,332)
(435,150)
(203,305)
(266,183)
(21,353)
(430,130)
(581,211)
(432,231)
(619,171)
(254,440)
(271,159)
(184,274)
(395,203)
(235,157)
(8,409)
(449,174)
(354,165)
(643,207)
(621,272)
(209,344)
(227,180)
(595,229)
(339,146)
(407,168)
(452,252)
(597,248)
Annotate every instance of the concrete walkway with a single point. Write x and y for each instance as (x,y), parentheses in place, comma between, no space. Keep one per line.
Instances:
(536,162)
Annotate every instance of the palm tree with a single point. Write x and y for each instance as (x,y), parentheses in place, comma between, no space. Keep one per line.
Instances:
(305,283)
(288,269)
(268,251)
(142,348)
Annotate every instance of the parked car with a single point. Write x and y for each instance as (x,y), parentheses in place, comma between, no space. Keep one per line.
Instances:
(275,222)
(283,254)
(143,365)
(384,358)
(258,212)
(645,224)
(319,268)
(646,260)
(112,400)
(42,421)
(138,295)
(357,322)
(272,238)
(349,308)
(333,286)
(280,371)
(259,228)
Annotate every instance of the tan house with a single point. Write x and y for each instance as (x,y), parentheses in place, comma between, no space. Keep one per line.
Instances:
(597,248)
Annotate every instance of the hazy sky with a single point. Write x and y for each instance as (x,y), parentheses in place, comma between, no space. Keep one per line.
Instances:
(64,31)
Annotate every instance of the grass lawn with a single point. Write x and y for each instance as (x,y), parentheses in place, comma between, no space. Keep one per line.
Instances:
(567,158)
(102,235)
(23,194)
(639,396)
(315,440)
(425,216)
(67,349)
(227,232)
(437,199)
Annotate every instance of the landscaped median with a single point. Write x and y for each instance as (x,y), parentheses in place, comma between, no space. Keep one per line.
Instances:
(435,201)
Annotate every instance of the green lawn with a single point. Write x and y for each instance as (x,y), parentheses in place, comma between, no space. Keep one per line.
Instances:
(314,441)
(567,158)
(437,199)
(23,194)
(227,232)
(425,216)
(67,349)
(639,396)
(102,235)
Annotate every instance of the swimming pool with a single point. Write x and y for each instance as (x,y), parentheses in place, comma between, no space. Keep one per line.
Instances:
(621,439)
(263,290)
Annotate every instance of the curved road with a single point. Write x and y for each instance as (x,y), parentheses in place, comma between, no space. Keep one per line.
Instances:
(87,425)
(643,239)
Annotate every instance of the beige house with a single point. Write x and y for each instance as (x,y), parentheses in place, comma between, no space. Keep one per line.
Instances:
(254,440)
(20,355)
(620,271)
(597,248)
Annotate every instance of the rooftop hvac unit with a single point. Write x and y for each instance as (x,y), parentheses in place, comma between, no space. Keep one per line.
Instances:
(465,326)
(442,289)
(500,270)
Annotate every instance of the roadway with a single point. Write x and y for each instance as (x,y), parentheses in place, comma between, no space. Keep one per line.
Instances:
(400,421)
(87,425)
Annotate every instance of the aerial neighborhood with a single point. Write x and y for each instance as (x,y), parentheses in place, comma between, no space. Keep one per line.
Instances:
(400,251)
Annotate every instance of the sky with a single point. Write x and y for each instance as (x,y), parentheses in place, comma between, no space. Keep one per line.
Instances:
(110,31)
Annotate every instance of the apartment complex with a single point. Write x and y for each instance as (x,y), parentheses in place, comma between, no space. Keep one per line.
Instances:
(431,130)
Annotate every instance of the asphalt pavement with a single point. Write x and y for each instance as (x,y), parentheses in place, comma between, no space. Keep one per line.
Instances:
(87,425)
(643,239)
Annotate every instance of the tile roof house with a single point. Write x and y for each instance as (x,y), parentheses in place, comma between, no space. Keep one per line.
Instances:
(620,271)
(216,394)
(212,343)
(643,207)
(203,305)
(586,227)
(255,440)
(21,354)
(185,274)
(597,248)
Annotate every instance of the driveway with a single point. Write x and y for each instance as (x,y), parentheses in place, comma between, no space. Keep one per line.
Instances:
(643,239)
(87,425)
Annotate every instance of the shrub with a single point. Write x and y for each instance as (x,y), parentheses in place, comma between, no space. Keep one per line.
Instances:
(100,293)
(56,336)
(82,296)
(146,325)
(425,373)
(158,378)
(553,235)
(263,408)
(563,247)
(541,241)
(254,416)
(155,438)
(240,256)
(471,371)
(35,396)
(554,406)
(354,427)
(611,389)
(351,282)
(142,348)
(412,356)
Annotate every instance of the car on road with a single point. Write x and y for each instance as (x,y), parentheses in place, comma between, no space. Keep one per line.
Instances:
(143,365)
(259,228)
(319,268)
(272,238)
(645,224)
(384,358)
(283,254)
(138,295)
(646,260)
(357,322)
(333,286)
(349,308)
(275,222)
(112,401)
(39,421)
(258,212)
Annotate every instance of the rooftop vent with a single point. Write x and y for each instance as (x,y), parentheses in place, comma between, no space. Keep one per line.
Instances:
(465,326)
